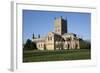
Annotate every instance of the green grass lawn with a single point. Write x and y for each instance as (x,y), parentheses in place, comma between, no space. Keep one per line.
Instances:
(58,55)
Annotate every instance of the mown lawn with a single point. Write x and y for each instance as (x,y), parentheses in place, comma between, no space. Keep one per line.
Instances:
(38,56)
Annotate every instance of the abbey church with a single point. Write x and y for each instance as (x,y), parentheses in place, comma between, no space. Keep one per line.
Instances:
(59,39)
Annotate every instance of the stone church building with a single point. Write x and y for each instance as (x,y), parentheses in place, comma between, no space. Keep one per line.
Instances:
(59,39)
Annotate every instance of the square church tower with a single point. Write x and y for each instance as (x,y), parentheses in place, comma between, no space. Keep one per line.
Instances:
(60,26)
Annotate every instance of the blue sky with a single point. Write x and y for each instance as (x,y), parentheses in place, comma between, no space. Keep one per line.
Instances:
(42,22)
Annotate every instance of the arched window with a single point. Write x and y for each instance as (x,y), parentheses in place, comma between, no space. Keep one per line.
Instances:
(49,38)
(68,46)
(76,46)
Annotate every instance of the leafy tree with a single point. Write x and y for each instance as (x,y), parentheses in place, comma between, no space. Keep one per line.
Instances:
(33,45)
(86,44)
(29,45)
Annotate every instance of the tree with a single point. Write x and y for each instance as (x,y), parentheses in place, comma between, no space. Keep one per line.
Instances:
(85,44)
(33,45)
(29,45)
(88,44)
